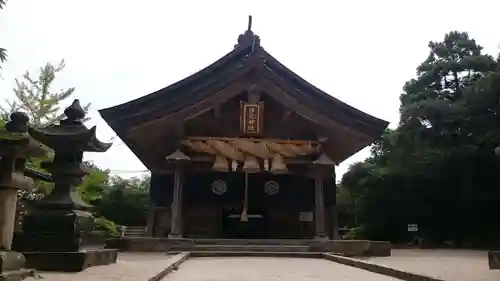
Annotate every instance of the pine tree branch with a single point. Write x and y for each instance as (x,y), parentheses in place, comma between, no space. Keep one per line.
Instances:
(36,98)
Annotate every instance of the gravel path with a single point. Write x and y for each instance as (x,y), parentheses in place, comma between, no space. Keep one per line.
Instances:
(268,269)
(449,265)
(129,267)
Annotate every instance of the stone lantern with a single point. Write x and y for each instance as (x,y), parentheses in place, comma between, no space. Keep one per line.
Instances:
(57,234)
(15,146)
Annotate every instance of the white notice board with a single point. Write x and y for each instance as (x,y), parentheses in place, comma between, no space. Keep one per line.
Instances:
(412,227)
(306,216)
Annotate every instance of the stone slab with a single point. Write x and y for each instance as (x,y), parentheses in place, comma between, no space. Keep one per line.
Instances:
(380,269)
(16,275)
(494,259)
(70,261)
(129,267)
(269,269)
(174,265)
(445,264)
(147,244)
(256,254)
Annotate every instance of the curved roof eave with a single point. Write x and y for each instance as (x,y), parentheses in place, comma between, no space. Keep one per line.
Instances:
(113,112)
(374,126)
(358,115)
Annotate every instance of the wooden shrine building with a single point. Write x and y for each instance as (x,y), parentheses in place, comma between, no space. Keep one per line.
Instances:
(244,148)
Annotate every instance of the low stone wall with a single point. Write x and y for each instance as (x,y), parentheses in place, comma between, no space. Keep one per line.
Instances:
(379,249)
(494,259)
(377,268)
(146,244)
(352,248)
(344,247)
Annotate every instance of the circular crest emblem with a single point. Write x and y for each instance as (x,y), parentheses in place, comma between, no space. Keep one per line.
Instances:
(271,187)
(219,187)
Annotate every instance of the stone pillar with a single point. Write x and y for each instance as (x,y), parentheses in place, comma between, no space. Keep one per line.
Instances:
(176,207)
(8,202)
(15,146)
(319,204)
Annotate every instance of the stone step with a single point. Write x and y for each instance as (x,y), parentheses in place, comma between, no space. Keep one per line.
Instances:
(289,242)
(243,248)
(248,254)
(134,231)
(135,227)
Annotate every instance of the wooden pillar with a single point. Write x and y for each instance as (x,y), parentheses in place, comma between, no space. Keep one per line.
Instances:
(177,159)
(150,224)
(334,213)
(176,207)
(319,203)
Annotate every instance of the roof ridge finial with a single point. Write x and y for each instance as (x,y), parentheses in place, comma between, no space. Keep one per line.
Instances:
(248,37)
(249,23)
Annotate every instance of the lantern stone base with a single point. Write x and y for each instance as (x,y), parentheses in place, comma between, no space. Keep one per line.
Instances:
(58,231)
(12,266)
(70,261)
(62,240)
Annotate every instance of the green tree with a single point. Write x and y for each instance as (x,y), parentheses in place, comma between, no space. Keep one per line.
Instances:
(125,201)
(34,96)
(94,185)
(437,168)
(430,104)
(3,52)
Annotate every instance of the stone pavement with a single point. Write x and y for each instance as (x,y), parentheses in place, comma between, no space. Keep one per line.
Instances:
(449,265)
(268,269)
(129,267)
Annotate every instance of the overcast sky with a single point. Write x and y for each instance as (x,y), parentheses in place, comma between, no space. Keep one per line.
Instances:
(361,52)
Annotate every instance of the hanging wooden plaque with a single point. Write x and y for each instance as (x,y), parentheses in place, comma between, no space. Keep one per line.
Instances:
(251,118)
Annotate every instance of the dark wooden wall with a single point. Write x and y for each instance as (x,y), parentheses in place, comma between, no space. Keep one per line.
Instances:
(204,211)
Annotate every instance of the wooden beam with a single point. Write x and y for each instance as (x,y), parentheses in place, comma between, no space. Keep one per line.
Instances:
(193,110)
(287,161)
(253,93)
(283,92)
(286,115)
(305,112)
(282,97)
(217,111)
(281,141)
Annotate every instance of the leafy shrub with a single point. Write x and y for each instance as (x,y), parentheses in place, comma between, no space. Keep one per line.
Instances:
(109,227)
(356,233)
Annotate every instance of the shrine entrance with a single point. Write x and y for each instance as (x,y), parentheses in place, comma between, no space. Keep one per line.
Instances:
(245,214)
(254,227)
